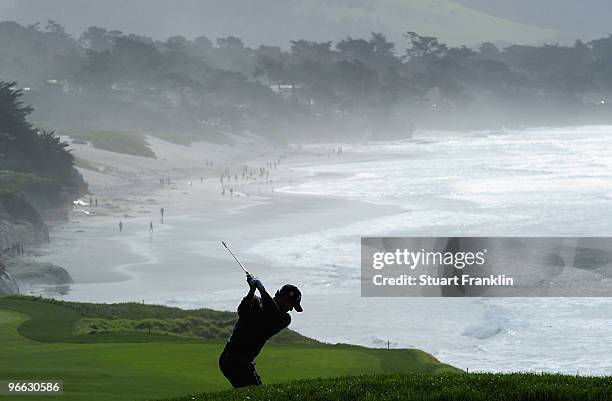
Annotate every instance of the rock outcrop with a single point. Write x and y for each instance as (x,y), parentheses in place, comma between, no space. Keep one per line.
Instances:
(20,222)
(29,273)
(20,275)
(8,285)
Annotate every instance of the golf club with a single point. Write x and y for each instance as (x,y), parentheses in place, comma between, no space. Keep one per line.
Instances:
(230,251)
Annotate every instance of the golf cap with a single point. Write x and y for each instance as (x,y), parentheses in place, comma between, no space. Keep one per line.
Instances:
(293,294)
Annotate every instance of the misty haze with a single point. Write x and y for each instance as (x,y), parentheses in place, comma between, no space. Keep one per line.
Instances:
(136,135)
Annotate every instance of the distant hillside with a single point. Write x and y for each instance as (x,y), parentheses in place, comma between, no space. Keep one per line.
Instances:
(452,23)
(589,18)
(276,22)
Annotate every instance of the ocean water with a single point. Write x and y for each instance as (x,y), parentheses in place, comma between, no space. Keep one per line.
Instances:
(530,182)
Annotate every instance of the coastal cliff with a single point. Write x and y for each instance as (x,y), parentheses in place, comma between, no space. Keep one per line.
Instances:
(20,222)
(22,225)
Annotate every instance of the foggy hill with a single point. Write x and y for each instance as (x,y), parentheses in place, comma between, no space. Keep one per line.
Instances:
(276,22)
(590,18)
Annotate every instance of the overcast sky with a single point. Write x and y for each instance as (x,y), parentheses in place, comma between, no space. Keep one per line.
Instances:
(278,21)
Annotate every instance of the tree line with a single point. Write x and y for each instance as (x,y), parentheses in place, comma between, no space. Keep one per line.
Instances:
(33,161)
(359,85)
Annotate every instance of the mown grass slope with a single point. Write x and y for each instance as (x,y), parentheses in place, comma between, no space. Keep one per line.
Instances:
(38,341)
(422,387)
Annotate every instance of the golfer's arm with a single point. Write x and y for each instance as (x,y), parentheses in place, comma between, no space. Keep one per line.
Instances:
(247,301)
(266,298)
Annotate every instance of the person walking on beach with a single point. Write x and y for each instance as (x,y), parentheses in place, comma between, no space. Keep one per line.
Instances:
(161,211)
(120,226)
(259,318)
(150,227)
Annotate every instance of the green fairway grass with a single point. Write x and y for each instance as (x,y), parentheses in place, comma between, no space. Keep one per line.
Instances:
(135,143)
(38,341)
(130,143)
(205,133)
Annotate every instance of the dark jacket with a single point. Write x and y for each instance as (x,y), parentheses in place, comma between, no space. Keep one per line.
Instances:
(258,320)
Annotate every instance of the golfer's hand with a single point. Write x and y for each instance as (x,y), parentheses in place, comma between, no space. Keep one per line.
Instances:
(255,282)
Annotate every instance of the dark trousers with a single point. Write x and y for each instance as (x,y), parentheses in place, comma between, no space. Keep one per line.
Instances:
(239,371)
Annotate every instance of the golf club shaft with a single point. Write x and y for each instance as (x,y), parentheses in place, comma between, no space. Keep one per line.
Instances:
(235,258)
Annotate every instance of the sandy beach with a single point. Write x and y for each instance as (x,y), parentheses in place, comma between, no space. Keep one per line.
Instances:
(183,257)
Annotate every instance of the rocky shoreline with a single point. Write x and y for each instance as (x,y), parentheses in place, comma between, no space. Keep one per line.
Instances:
(21,226)
(18,275)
